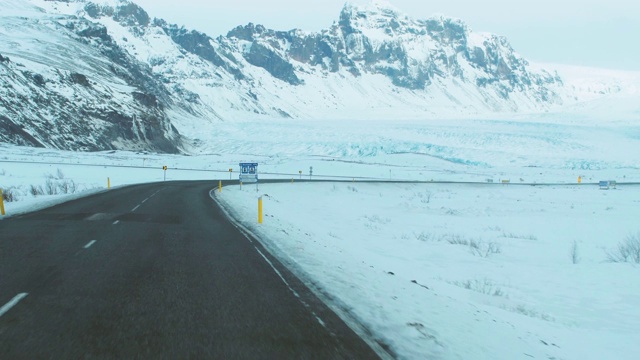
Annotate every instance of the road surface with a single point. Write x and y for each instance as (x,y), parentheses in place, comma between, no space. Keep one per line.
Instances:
(154,271)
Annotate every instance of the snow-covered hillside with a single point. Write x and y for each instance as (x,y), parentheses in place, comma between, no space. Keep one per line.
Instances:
(133,82)
(65,84)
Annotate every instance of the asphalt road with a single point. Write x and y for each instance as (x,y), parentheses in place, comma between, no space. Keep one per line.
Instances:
(154,271)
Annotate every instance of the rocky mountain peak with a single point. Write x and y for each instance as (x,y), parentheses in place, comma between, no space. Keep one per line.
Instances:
(376,15)
(123,11)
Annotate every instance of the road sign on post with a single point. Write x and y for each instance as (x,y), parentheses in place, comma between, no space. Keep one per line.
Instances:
(248,172)
(164,168)
(230,172)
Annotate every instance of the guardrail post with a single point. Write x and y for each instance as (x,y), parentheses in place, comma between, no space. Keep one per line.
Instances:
(260,210)
(2,203)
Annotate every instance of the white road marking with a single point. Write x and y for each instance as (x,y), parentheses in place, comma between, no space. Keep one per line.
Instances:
(145,200)
(97,217)
(246,232)
(89,244)
(295,293)
(116,222)
(12,303)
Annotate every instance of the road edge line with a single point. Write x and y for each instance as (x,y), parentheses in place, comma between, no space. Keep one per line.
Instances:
(13,302)
(351,321)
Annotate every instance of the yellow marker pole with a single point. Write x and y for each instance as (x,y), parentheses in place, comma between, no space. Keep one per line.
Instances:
(220,186)
(2,204)
(260,210)
(108,183)
(579,179)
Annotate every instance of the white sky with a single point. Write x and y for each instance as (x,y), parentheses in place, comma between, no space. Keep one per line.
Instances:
(599,33)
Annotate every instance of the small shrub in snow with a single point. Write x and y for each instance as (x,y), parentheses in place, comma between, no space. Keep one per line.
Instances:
(477,247)
(51,187)
(68,186)
(9,195)
(516,236)
(425,197)
(59,175)
(484,286)
(575,253)
(487,249)
(352,188)
(482,249)
(451,212)
(3,172)
(454,239)
(36,190)
(521,309)
(377,219)
(423,236)
(627,250)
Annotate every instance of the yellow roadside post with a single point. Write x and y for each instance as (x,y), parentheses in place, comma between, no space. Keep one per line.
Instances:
(220,186)
(2,204)
(108,183)
(260,210)
(579,179)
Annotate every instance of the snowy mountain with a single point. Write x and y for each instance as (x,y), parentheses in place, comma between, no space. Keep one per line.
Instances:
(432,55)
(86,75)
(67,84)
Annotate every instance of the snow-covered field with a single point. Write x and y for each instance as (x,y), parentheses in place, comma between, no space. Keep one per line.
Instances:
(434,270)
(442,271)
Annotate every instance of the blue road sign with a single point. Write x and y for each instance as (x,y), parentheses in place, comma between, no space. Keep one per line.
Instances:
(249,172)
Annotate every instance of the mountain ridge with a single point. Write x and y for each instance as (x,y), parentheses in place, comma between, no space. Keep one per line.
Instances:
(156,86)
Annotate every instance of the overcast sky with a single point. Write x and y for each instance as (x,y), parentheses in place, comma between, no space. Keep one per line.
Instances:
(600,33)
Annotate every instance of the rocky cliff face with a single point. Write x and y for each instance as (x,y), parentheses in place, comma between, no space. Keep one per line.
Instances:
(80,91)
(90,75)
(413,54)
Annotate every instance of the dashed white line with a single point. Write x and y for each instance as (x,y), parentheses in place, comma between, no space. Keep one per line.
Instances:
(12,303)
(145,200)
(90,243)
